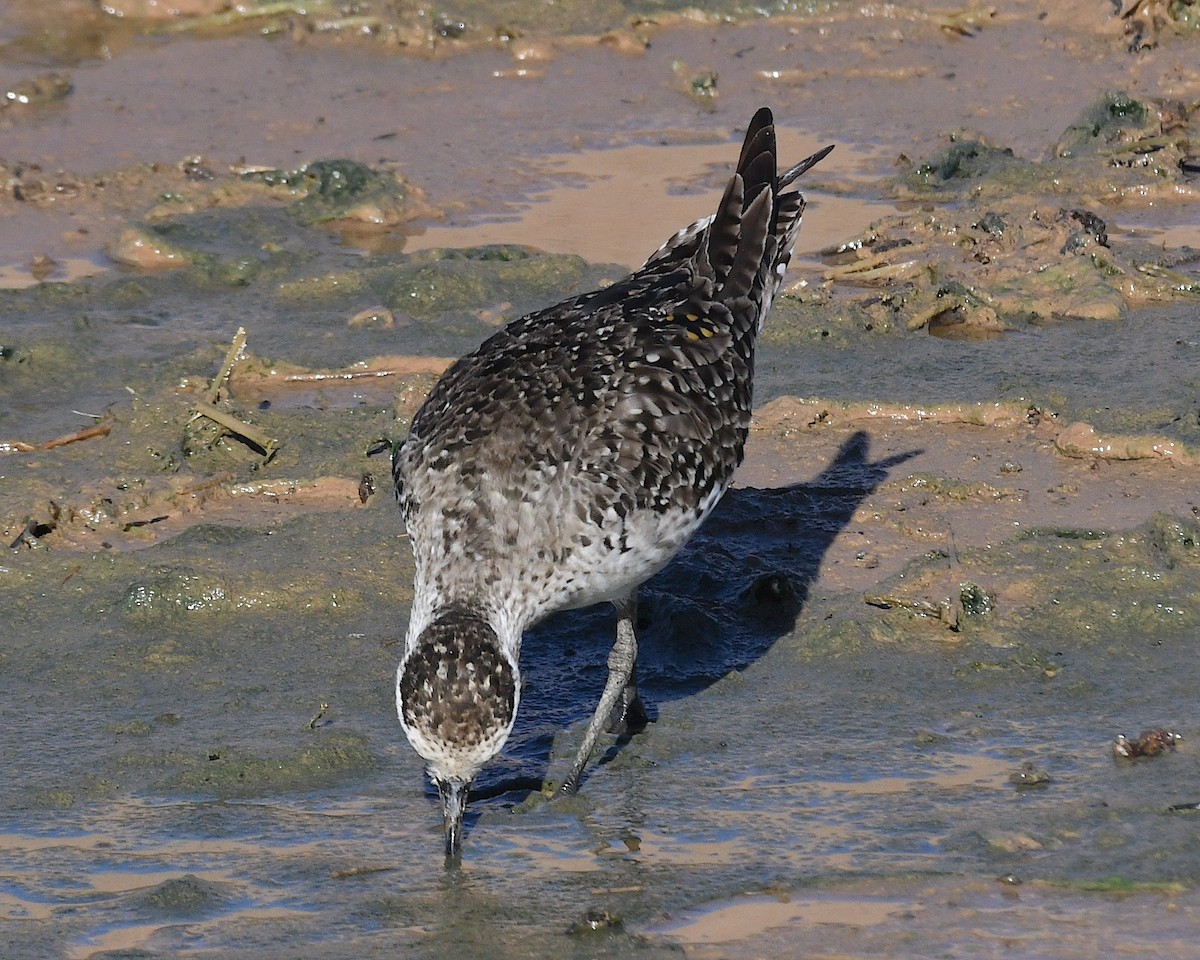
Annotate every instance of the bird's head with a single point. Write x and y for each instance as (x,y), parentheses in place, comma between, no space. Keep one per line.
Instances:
(457,692)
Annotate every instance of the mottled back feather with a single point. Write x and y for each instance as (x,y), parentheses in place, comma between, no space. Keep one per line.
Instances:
(569,457)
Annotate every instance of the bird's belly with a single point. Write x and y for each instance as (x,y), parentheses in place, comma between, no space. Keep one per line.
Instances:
(593,563)
(613,567)
(529,549)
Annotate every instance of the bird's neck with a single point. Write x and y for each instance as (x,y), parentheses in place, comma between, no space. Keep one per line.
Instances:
(497,621)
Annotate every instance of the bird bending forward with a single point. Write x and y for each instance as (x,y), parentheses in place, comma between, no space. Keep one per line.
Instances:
(570,457)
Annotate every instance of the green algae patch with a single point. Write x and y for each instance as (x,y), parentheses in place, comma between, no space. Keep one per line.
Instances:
(460,293)
(1041,605)
(1115,119)
(1136,587)
(165,593)
(815,316)
(1057,589)
(145,249)
(1002,242)
(1080,287)
(970,160)
(169,595)
(952,488)
(212,228)
(330,759)
(1119,148)
(479,23)
(1082,441)
(186,896)
(843,636)
(161,460)
(438,282)
(329,288)
(1120,885)
(956,273)
(330,190)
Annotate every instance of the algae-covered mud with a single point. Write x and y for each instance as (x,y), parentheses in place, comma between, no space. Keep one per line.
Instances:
(925,684)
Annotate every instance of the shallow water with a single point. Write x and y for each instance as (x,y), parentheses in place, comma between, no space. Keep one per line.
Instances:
(173,797)
(848,758)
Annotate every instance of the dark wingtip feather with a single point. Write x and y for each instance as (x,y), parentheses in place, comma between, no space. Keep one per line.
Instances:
(761,220)
(804,165)
(728,248)
(738,235)
(760,136)
(756,163)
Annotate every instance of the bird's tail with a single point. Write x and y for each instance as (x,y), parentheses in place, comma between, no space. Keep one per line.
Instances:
(744,248)
(752,235)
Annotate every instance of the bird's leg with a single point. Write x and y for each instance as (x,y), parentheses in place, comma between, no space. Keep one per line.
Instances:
(628,714)
(621,662)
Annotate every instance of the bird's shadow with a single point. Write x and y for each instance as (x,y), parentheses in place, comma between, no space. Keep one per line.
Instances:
(736,588)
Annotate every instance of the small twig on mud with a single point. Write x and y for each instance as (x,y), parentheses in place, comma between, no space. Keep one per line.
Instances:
(870,271)
(100,430)
(321,377)
(24,536)
(238,427)
(236,349)
(239,14)
(247,431)
(358,872)
(206,485)
(312,724)
(965,23)
(20,446)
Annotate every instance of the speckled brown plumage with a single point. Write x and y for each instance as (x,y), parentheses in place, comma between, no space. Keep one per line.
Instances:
(460,689)
(567,459)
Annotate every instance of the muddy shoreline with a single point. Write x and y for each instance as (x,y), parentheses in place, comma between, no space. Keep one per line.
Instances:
(886,678)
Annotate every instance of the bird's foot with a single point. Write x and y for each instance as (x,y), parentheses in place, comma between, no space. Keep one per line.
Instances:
(628,714)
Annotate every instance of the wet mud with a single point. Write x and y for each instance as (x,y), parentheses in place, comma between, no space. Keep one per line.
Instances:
(925,683)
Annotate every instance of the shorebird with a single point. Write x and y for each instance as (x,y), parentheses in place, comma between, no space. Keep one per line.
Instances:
(569,458)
